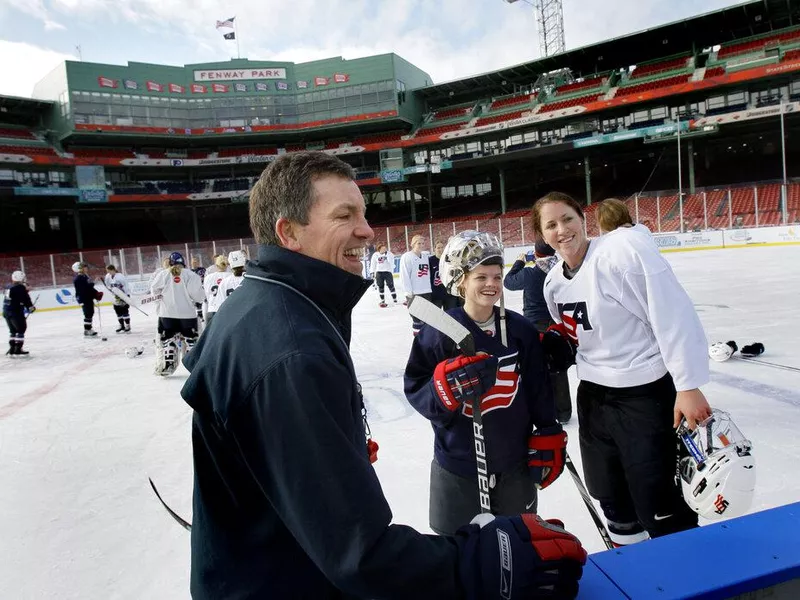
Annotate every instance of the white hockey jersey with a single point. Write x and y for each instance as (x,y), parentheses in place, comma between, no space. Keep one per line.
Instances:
(629,314)
(227,286)
(212,285)
(118,282)
(179,293)
(382,263)
(415,273)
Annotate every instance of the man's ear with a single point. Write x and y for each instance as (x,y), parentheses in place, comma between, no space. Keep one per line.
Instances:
(287,231)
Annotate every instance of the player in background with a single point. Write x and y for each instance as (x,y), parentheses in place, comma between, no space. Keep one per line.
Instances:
(234,279)
(16,302)
(200,271)
(180,290)
(211,286)
(525,445)
(612,214)
(534,308)
(85,295)
(382,269)
(641,358)
(121,308)
(415,275)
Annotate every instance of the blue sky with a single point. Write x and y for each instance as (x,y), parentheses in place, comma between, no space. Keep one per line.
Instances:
(447,38)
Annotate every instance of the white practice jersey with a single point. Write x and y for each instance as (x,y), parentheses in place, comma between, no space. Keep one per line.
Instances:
(415,273)
(212,285)
(382,263)
(229,284)
(629,314)
(117,281)
(179,293)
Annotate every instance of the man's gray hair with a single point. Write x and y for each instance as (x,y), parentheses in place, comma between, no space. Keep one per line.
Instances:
(285,190)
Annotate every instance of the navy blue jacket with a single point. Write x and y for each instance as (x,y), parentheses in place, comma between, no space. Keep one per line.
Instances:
(16,300)
(531,281)
(521,400)
(286,502)
(84,289)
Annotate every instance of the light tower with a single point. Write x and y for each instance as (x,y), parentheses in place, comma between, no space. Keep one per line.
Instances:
(550,25)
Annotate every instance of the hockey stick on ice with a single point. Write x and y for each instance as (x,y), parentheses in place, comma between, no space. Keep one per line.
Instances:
(770,364)
(429,314)
(180,520)
(122,296)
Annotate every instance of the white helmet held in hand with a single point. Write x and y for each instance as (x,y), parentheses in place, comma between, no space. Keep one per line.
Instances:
(18,277)
(718,479)
(76,267)
(465,251)
(236,259)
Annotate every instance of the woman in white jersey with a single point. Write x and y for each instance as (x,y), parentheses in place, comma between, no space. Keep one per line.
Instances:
(382,269)
(415,275)
(641,358)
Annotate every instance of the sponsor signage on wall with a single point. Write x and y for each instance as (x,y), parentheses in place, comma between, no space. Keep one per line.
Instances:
(238,74)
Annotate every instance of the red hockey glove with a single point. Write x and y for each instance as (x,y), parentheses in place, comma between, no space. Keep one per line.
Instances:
(98,295)
(518,557)
(547,453)
(464,377)
(559,348)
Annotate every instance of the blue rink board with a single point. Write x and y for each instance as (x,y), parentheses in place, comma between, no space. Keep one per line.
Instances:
(715,561)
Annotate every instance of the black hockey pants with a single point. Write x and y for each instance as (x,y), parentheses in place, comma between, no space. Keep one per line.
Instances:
(629,452)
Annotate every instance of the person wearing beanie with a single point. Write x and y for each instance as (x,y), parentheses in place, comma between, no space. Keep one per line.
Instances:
(531,281)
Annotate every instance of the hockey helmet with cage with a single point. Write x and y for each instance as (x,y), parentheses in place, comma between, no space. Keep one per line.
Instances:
(236,259)
(176,258)
(465,251)
(18,277)
(718,477)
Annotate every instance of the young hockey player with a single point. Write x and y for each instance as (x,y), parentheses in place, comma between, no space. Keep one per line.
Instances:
(121,308)
(415,275)
(180,289)
(525,445)
(85,295)
(211,285)
(16,301)
(531,282)
(641,357)
(233,280)
(382,269)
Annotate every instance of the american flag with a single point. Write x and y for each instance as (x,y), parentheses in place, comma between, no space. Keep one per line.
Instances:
(226,23)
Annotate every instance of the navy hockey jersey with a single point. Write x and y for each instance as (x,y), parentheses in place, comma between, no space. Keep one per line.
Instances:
(84,289)
(520,400)
(15,300)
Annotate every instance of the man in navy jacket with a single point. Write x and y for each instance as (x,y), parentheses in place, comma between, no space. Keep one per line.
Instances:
(286,502)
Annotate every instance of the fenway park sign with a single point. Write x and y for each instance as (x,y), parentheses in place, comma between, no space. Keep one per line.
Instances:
(238,74)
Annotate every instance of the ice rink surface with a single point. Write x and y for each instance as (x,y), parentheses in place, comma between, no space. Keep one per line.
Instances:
(82,427)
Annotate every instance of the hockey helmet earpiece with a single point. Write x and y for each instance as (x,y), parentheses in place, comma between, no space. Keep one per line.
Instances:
(720,352)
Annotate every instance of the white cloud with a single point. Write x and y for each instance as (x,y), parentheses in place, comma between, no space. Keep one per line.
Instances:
(17,77)
(35,9)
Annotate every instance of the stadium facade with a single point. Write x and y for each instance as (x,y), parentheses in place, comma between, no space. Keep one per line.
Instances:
(112,156)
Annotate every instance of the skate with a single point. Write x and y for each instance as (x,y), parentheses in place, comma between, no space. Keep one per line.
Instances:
(20,352)
(89,333)
(120,329)
(382,304)
(127,328)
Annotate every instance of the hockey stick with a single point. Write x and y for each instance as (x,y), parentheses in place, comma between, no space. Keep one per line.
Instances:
(33,306)
(180,520)
(122,296)
(770,364)
(429,313)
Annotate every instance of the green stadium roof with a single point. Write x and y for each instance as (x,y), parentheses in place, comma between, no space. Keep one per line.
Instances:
(703,31)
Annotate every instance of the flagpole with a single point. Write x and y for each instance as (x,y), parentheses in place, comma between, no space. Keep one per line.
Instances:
(236,34)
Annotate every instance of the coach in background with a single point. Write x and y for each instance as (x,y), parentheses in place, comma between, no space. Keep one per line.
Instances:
(286,502)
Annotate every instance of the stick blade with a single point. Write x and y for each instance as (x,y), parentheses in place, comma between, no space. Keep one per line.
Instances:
(432,315)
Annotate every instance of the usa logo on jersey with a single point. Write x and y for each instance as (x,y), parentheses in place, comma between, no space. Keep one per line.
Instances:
(505,388)
(422,271)
(572,315)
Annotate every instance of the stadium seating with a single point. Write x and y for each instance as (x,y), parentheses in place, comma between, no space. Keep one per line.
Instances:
(255,150)
(449,113)
(499,118)
(791,54)
(660,67)
(27,150)
(652,85)
(439,129)
(576,86)
(560,105)
(102,153)
(378,138)
(22,134)
(759,44)
(714,72)
(511,101)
